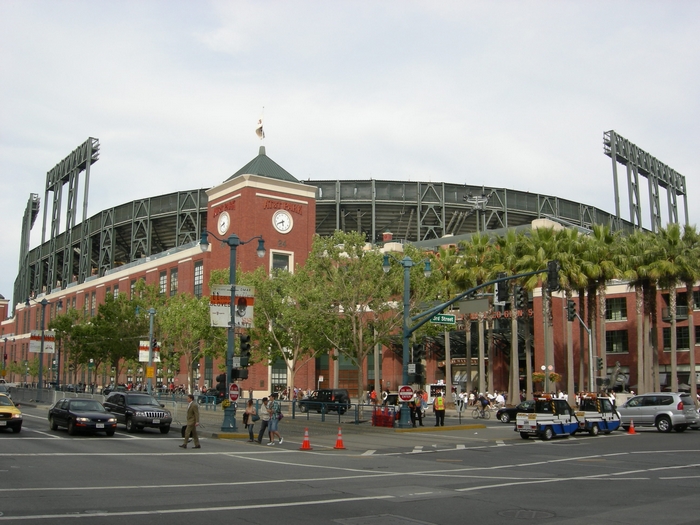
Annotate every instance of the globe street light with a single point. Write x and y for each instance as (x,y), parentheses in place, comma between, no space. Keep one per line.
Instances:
(233,242)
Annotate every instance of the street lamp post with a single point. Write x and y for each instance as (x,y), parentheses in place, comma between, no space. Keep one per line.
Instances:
(4,358)
(233,242)
(407,263)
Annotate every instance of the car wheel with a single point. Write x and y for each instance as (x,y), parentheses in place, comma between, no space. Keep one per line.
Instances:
(547,433)
(680,428)
(165,430)
(525,435)
(110,432)
(53,424)
(505,418)
(663,424)
(303,408)
(130,427)
(595,430)
(71,428)
(341,410)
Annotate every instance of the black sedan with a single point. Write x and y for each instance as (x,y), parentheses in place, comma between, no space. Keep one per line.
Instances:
(81,415)
(507,414)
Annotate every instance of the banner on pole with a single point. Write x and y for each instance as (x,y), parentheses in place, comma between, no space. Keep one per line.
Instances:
(220,306)
(49,341)
(143,352)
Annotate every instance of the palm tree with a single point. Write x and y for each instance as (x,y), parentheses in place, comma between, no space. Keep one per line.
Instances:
(571,278)
(667,270)
(537,250)
(690,273)
(507,257)
(599,265)
(634,258)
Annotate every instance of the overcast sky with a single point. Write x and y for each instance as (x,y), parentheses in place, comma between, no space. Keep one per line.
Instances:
(506,94)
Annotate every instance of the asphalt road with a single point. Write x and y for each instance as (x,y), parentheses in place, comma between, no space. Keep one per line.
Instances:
(469,475)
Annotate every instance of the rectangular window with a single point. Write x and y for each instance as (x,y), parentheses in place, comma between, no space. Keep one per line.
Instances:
(116,291)
(280,261)
(616,342)
(616,309)
(173,281)
(93,304)
(108,290)
(198,278)
(162,282)
(279,374)
(682,338)
(132,291)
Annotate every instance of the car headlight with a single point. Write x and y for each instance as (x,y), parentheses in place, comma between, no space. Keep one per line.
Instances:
(112,420)
(16,416)
(138,413)
(83,419)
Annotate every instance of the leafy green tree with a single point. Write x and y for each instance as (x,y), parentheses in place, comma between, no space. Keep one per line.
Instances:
(184,326)
(285,317)
(356,302)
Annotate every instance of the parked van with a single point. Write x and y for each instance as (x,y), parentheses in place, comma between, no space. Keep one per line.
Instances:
(329,399)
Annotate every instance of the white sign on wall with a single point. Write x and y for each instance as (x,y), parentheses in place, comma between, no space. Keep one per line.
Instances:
(49,341)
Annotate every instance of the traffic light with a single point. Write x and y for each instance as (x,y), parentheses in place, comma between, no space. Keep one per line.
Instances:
(599,363)
(418,352)
(521,298)
(571,310)
(221,384)
(553,276)
(245,349)
(501,289)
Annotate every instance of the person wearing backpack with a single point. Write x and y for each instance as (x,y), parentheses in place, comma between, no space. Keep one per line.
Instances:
(275,409)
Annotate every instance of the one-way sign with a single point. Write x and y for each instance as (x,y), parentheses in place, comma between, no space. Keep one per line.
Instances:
(444,319)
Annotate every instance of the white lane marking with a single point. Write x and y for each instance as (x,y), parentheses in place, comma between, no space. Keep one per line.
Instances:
(500,443)
(460,447)
(368,453)
(417,449)
(190,510)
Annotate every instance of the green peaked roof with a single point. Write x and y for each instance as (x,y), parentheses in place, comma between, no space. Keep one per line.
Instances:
(265,167)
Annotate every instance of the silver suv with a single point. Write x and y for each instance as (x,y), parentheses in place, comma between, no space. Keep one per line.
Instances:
(665,410)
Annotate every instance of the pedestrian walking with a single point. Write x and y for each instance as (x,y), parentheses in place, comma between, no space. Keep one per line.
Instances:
(192,422)
(275,409)
(439,409)
(249,417)
(264,420)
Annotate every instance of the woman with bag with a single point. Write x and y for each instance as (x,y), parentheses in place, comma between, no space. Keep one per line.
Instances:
(250,416)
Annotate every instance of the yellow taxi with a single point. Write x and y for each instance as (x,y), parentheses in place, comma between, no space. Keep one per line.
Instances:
(10,415)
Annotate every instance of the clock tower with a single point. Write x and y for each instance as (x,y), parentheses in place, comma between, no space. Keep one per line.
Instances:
(261,198)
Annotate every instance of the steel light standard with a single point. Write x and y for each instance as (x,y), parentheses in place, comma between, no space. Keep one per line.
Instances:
(4,358)
(233,242)
(407,263)
(40,384)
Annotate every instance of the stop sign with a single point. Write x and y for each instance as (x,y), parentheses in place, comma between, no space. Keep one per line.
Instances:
(405,393)
(233,392)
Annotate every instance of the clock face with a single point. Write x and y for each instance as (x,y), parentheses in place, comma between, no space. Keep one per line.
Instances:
(223,223)
(282,221)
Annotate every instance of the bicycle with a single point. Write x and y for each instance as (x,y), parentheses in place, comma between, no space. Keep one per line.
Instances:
(481,413)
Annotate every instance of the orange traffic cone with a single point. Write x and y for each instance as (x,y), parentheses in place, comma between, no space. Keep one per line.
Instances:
(339,441)
(306,444)
(631,429)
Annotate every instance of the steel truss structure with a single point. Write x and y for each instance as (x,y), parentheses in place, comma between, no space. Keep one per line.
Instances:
(658,174)
(421,211)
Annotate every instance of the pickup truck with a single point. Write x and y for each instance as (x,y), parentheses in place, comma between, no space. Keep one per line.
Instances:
(597,414)
(552,417)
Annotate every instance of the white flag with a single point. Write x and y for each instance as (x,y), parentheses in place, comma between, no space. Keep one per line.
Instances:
(259,130)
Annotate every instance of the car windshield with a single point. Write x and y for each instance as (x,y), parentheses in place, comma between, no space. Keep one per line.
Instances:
(143,400)
(86,406)
(5,401)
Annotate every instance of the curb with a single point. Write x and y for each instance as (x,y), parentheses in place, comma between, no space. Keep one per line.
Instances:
(432,428)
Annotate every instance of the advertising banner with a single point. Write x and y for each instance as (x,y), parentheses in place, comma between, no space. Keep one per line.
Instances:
(220,306)
(49,341)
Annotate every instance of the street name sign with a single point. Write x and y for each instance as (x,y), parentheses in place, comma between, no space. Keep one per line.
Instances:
(444,319)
